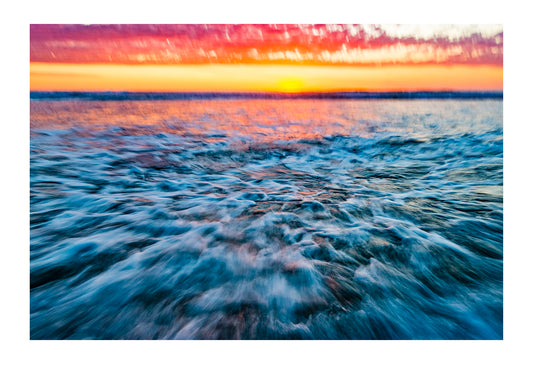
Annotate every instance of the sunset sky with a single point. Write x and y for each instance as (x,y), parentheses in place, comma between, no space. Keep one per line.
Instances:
(276,58)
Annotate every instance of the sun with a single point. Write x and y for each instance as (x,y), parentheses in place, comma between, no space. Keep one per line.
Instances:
(290,84)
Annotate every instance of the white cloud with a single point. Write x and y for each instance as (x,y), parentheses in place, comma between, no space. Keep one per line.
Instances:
(447,31)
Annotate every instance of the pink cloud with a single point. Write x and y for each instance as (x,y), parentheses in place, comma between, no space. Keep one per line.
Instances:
(198,44)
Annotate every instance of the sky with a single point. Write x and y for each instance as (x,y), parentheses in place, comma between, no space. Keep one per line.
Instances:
(274,58)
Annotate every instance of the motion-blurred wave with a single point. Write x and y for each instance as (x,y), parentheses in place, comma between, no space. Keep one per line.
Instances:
(266,219)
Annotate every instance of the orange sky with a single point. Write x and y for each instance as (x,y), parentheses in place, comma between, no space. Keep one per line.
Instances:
(255,77)
(274,58)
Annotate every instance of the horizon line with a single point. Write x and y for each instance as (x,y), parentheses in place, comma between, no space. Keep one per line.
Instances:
(344,94)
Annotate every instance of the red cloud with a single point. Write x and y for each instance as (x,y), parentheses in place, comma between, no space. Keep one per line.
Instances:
(310,44)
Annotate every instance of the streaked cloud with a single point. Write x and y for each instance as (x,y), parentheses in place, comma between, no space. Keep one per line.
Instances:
(280,44)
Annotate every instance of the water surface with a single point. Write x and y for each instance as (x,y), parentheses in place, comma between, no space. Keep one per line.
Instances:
(266,219)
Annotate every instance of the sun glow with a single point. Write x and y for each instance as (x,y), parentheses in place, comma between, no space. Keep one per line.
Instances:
(267,77)
(291,85)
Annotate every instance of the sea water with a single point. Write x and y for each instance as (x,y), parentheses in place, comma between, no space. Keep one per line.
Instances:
(266,219)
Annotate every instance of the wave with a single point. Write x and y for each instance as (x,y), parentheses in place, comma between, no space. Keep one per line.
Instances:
(181,226)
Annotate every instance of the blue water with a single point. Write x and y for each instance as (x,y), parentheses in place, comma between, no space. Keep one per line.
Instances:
(266,219)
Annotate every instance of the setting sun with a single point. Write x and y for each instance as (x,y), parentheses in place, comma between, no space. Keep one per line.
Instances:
(290,85)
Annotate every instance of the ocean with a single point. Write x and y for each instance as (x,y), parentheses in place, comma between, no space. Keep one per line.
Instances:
(290,217)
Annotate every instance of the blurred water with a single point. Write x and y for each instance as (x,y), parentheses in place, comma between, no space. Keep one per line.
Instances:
(266,219)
